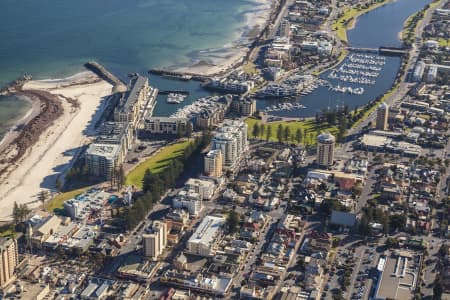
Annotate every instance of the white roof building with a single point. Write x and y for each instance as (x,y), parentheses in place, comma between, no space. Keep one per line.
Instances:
(204,240)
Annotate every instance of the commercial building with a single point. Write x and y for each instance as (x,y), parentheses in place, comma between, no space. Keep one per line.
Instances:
(102,159)
(155,240)
(84,205)
(325,149)
(206,237)
(382,117)
(231,139)
(9,259)
(418,71)
(213,163)
(165,125)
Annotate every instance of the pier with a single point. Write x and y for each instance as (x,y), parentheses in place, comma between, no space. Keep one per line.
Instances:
(178,75)
(102,72)
(389,51)
(166,92)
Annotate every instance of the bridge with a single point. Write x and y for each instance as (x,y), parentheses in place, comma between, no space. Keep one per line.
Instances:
(390,51)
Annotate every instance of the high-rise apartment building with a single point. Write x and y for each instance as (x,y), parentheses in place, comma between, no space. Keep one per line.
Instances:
(325,149)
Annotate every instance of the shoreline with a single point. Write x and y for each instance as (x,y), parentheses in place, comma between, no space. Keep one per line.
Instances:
(36,158)
(218,61)
(14,130)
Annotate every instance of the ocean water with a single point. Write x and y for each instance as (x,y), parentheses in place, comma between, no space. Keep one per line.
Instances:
(53,38)
(11,109)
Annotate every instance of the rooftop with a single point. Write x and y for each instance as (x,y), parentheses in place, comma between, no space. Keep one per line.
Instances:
(207,230)
(108,151)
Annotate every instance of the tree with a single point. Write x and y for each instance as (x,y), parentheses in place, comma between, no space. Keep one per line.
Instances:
(233,221)
(255,131)
(16,213)
(189,129)
(58,184)
(262,129)
(280,133)
(287,133)
(268,132)
(298,136)
(391,242)
(43,196)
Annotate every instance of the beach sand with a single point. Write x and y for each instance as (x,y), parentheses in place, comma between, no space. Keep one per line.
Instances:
(56,147)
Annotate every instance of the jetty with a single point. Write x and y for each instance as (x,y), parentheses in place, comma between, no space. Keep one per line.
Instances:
(102,72)
(167,92)
(178,75)
(15,85)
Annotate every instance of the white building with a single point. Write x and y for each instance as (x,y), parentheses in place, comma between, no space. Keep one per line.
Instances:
(102,159)
(231,139)
(205,188)
(204,240)
(188,200)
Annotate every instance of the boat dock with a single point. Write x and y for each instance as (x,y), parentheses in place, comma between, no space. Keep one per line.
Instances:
(167,92)
(178,75)
(102,72)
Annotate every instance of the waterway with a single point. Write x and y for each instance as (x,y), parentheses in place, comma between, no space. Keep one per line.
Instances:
(379,27)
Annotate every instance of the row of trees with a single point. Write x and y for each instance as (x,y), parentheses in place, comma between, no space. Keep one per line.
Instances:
(20,213)
(154,185)
(283,134)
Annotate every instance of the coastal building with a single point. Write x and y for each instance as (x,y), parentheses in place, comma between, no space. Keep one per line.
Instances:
(325,149)
(231,85)
(231,139)
(165,125)
(243,106)
(382,117)
(115,133)
(137,102)
(155,240)
(213,163)
(84,205)
(103,159)
(206,237)
(9,259)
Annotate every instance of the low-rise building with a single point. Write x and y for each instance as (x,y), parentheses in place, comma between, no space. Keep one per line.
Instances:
(165,125)
(204,240)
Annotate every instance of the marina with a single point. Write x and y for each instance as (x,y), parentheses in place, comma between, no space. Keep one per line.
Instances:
(284,106)
(173,98)
(189,111)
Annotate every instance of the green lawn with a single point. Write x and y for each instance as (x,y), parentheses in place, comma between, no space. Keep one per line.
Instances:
(58,201)
(156,163)
(310,125)
(444,42)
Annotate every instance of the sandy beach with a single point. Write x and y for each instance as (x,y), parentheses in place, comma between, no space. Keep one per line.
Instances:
(52,154)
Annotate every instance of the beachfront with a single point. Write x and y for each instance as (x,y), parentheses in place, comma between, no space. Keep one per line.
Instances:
(56,147)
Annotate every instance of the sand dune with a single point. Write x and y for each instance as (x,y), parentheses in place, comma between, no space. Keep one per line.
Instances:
(53,153)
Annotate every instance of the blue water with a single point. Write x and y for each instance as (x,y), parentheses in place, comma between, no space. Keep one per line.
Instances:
(376,28)
(53,38)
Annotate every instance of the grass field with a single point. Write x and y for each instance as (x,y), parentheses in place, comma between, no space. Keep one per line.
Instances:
(58,201)
(444,42)
(310,125)
(156,163)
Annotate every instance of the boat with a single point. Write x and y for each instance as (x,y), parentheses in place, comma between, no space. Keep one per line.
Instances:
(173,98)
